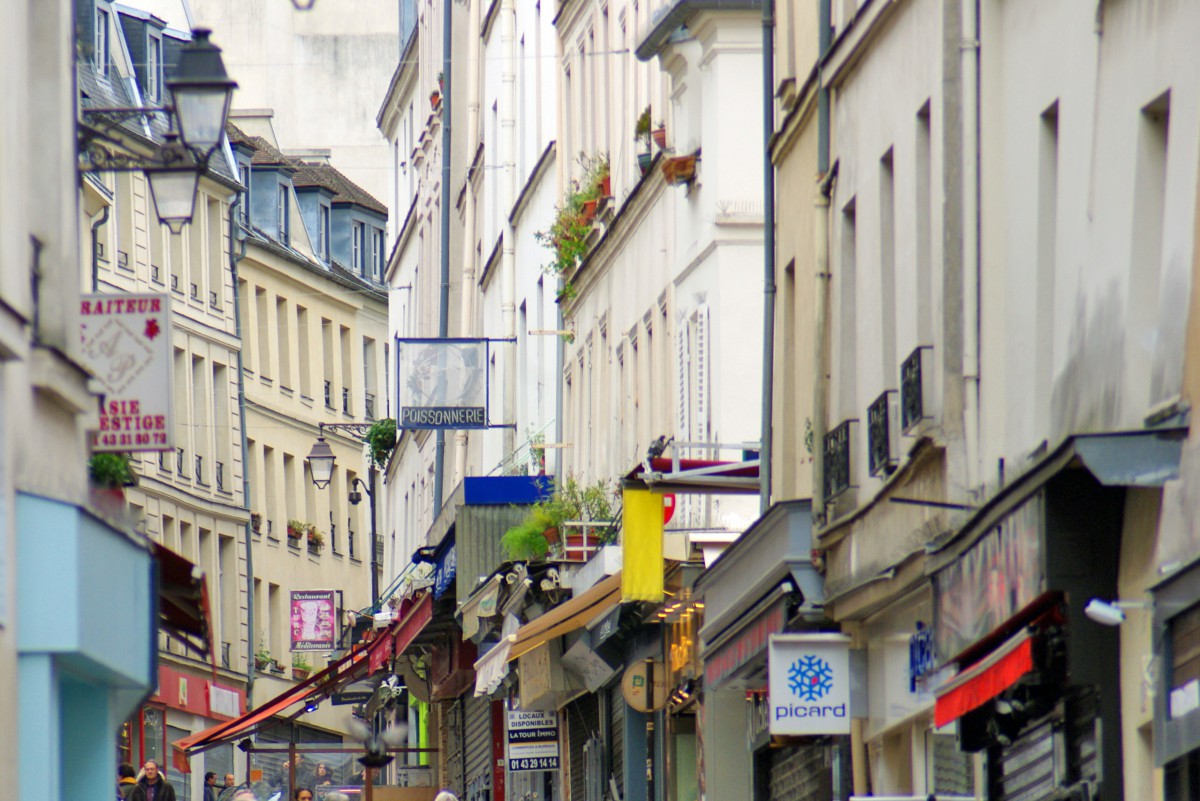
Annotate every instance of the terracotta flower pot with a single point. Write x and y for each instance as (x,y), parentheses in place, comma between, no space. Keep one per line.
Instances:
(589,210)
(606,186)
(551,535)
(659,135)
(435,100)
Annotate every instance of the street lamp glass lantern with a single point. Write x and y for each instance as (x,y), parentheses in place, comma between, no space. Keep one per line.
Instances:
(173,190)
(202,91)
(320,463)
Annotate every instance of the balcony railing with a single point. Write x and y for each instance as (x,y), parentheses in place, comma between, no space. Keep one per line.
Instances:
(369,405)
(220,475)
(180,462)
(314,548)
(163,462)
(837,460)
(225,648)
(883,434)
(212,300)
(350,542)
(345,400)
(328,394)
(914,388)
(199,469)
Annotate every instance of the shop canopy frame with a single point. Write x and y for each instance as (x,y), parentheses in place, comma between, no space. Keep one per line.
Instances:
(359,662)
(676,474)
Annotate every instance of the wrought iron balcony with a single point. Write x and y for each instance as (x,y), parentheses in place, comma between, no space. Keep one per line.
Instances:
(883,439)
(915,383)
(369,405)
(837,460)
(350,542)
(180,461)
(328,394)
(220,475)
(225,647)
(199,469)
(345,400)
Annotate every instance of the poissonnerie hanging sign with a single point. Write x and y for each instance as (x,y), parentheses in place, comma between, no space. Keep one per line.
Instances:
(442,383)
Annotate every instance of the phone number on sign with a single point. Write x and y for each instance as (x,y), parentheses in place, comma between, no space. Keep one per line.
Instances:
(539,763)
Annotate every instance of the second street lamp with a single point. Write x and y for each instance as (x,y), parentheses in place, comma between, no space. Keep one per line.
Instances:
(202,91)
(320,466)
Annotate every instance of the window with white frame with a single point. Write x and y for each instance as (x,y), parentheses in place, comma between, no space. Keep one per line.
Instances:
(380,254)
(356,248)
(323,234)
(283,213)
(153,68)
(101,53)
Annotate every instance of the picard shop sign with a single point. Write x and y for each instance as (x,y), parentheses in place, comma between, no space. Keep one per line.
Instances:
(442,383)
(532,740)
(809,681)
(127,343)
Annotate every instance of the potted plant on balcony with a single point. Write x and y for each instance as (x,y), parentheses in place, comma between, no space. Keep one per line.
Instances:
(641,135)
(296,529)
(256,522)
(316,539)
(262,658)
(659,135)
(435,99)
(301,667)
(109,475)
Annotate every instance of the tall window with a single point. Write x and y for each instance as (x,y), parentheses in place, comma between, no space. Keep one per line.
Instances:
(153,68)
(283,213)
(356,245)
(102,41)
(380,254)
(323,234)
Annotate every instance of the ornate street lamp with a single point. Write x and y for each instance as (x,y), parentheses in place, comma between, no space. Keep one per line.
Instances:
(202,93)
(173,186)
(320,463)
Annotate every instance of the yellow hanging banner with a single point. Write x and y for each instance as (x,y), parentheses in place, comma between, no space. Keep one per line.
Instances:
(642,541)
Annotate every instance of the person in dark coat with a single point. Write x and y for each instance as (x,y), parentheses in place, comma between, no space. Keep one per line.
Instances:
(210,786)
(153,786)
(126,780)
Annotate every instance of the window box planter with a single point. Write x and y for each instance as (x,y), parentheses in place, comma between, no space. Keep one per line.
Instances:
(679,169)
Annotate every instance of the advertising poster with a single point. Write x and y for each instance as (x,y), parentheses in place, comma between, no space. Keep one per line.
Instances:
(127,344)
(314,620)
(532,740)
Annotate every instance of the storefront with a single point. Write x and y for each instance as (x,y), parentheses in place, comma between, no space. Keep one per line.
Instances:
(762,585)
(1036,686)
(1177,696)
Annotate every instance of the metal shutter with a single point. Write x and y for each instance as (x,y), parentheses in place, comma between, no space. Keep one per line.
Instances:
(616,729)
(478,759)
(810,772)
(583,725)
(950,770)
(1024,770)
(182,782)
(450,741)
(220,761)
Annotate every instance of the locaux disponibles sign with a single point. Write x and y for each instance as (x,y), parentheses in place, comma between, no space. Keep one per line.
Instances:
(809,684)
(127,344)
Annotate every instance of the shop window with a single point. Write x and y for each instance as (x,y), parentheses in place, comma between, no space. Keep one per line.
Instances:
(1182,778)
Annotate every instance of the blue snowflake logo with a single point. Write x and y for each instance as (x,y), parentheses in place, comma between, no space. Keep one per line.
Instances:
(810,678)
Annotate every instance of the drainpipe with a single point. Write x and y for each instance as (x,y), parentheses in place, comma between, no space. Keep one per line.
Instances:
(234,258)
(969,52)
(508,194)
(439,458)
(560,363)
(96,248)
(821,341)
(768,351)
(821,272)
(461,437)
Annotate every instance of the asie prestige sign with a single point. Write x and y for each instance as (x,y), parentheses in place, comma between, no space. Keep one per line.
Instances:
(127,343)
(809,684)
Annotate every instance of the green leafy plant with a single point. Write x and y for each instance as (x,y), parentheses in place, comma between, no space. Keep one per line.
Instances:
(571,501)
(297,528)
(525,542)
(110,470)
(381,439)
(641,129)
(300,661)
(316,537)
(567,235)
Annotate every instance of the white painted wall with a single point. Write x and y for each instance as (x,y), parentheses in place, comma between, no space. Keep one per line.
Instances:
(323,71)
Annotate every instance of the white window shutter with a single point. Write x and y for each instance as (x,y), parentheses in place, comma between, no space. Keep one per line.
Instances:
(700,414)
(683,370)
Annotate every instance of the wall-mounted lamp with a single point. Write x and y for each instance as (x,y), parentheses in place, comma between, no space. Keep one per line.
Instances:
(202,92)
(1111,613)
(303,5)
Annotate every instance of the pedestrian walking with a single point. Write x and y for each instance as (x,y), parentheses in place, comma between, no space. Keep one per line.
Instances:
(126,780)
(153,786)
(210,786)
(226,793)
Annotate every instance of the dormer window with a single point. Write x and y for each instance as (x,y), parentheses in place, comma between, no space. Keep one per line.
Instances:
(153,68)
(283,214)
(323,233)
(380,254)
(356,252)
(102,42)
(244,207)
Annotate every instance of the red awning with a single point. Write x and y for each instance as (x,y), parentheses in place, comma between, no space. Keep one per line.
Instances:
(350,668)
(983,681)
